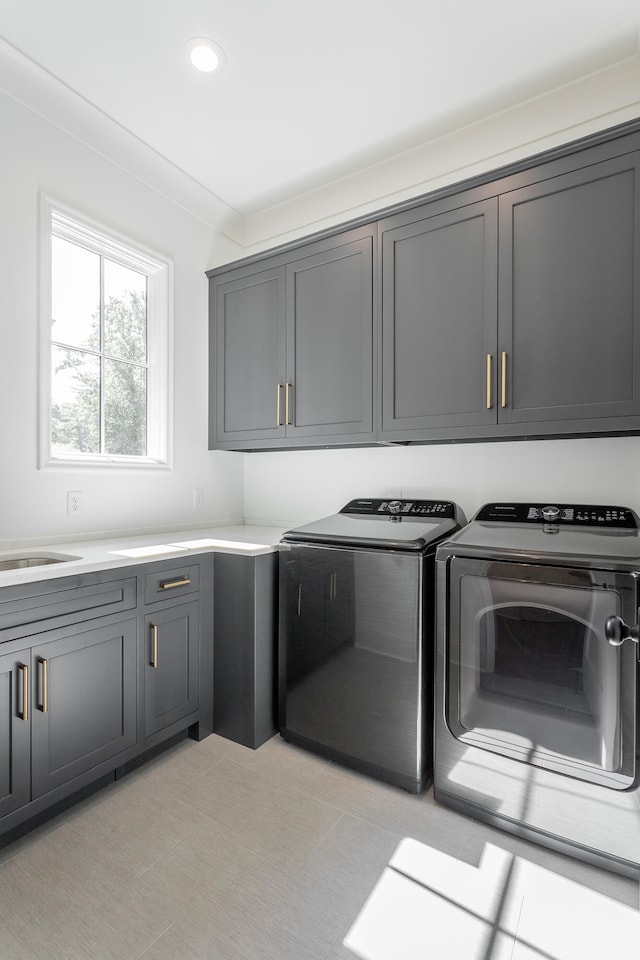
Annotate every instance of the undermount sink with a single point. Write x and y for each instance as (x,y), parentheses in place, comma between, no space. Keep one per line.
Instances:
(21,563)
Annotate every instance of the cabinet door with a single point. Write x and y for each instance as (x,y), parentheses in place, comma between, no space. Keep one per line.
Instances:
(569,289)
(330,341)
(439,320)
(248,357)
(172,638)
(85,702)
(15,726)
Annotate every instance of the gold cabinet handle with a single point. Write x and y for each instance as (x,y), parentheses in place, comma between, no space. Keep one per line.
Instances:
(279,415)
(24,714)
(154,646)
(44,706)
(503,400)
(170,584)
(489,361)
(287,391)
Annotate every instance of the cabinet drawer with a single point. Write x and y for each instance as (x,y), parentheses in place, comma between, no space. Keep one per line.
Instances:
(171,583)
(48,604)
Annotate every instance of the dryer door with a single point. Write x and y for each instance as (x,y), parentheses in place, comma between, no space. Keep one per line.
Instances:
(530,672)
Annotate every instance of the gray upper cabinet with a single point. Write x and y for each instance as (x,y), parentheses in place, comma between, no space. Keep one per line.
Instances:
(330,342)
(439,311)
(249,358)
(506,306)
(292,347)
(517,315)
(569,298)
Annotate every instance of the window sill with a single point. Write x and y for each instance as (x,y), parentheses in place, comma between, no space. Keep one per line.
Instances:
(108,463)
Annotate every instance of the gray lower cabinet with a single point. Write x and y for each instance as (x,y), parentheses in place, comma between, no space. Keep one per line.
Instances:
(68,705)
(47,604)
(15,731)
(292,347)
(97,670)
(172,670)
(245,652)
(67,686)
(176,649)
(83,702)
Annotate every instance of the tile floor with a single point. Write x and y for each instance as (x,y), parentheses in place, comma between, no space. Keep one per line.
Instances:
(216,852)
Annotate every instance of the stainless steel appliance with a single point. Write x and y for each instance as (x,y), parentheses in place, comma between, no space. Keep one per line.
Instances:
(356,635)
(536,719)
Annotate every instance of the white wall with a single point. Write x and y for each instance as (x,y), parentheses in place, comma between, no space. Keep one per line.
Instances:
(298,486)
(37,156)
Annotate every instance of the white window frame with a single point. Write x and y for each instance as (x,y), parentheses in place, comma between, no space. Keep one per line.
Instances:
(58,219)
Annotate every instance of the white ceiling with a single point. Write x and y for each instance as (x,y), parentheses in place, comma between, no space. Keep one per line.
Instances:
(311,91)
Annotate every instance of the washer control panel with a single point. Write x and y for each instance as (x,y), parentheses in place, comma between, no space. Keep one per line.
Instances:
(401,508)
(575,514)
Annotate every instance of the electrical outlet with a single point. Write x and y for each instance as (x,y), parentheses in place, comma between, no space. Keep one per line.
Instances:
(198,498)
(74,503)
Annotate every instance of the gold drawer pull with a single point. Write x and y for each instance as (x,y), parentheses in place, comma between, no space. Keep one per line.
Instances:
(489,360)
(175,583)
(287,391)
(154,646)
(24,715)
(504,379)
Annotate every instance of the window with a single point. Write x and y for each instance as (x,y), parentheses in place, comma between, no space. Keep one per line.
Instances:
(105,376)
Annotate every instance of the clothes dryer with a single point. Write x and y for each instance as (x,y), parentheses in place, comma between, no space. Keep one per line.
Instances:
(536,716)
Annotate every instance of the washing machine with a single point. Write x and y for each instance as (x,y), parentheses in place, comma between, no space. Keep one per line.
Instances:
(536,717)
(357,617)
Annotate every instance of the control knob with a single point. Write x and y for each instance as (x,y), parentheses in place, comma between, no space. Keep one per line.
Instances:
(394,506)
(551,514)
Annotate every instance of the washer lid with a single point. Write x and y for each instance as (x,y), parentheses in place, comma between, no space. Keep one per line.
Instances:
(584,545)
(383,524)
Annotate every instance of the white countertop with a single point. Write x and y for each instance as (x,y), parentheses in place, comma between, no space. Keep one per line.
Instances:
(90,555)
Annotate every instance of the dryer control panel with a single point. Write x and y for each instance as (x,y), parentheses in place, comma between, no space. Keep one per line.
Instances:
(582,515)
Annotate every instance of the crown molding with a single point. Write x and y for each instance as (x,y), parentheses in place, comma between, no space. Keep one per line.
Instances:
(41,92)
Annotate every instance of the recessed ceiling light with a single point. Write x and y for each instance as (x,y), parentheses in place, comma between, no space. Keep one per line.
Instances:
(205,55)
